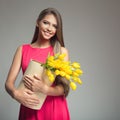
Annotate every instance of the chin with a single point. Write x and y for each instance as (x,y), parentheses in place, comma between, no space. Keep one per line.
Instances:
(47,38)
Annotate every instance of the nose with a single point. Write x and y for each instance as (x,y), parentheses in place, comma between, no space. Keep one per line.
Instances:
(50,28)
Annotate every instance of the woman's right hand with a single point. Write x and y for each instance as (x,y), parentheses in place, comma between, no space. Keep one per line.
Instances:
(26,98)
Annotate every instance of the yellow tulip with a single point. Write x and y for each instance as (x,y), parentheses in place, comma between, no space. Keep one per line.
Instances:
(51,78)
(69,71)
(51,58)
(67,77)
(79,81)
(48,72)
(57,72)
(78,71)
(75,79)
(61,56)
(76,65)
(62,73)
(75,74)
(73,86)
(50,64)
(55,65)
(81,72)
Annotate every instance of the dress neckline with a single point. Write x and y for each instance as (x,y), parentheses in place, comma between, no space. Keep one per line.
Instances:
(39,47)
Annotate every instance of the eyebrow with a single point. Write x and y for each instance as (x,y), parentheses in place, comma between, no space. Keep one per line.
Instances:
(49,22)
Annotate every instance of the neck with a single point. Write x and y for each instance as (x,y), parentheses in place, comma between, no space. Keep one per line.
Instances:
(42,43)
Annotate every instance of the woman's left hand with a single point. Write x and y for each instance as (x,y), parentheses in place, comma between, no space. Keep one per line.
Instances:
(35,84)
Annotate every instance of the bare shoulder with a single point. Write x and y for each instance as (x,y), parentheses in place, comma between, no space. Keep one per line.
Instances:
(18,53)
(65,51)
(19,49)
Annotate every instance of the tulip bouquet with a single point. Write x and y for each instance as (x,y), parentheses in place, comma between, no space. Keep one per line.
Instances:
(56,65)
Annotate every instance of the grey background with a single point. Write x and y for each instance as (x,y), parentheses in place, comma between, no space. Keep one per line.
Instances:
(92,36)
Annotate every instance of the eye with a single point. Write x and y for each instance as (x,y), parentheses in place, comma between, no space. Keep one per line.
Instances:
(45,22)
(55,26)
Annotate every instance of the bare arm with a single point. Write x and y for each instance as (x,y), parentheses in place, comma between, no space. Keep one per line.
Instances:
(37,85)
(13,72)
(65,51)
(58,90)
(25,97)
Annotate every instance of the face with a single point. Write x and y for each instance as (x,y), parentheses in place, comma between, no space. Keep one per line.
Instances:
(47,27)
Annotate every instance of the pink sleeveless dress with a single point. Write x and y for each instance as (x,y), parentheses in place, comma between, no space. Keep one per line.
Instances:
(54,107)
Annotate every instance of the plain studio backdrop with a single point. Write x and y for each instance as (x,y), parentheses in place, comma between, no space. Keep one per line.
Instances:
(92,36)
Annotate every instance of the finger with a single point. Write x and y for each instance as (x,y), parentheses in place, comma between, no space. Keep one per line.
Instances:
(35,100)
(28,80)
(28,77)
(36,77)
(32,97)
(31,103)
(28,92)
(27,84)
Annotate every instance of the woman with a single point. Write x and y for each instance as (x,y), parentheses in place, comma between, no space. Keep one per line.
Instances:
(48,38)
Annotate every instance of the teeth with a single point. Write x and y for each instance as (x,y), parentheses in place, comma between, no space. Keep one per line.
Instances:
(47,33)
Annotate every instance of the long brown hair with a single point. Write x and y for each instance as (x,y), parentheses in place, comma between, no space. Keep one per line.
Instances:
(59,33)
(56,41)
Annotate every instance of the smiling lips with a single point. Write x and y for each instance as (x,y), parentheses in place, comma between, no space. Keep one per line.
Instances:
(48,34)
